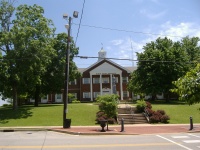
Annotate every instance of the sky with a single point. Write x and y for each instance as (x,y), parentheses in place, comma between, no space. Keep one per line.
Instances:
(121,27)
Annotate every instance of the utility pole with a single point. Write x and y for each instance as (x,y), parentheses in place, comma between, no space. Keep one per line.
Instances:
(67,122)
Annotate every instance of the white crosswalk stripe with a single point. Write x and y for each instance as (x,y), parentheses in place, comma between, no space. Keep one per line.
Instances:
(192,141)
(180,137)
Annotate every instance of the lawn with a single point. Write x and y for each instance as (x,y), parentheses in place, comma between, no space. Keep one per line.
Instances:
(84,114)
(179,113)
(48,115)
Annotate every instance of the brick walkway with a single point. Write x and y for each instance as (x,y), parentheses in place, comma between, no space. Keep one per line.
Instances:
(129,129)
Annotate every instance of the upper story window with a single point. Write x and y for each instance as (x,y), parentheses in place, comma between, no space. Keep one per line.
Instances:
(96,80)
(86,80)
(105,80)
(73,82)
(125,79)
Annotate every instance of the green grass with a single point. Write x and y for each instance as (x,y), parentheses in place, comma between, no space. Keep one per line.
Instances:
(48,115)
(85,114)
(179,113)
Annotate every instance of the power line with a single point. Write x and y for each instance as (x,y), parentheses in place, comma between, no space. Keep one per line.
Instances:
(80,21)
(160,61)
(123,30)
(86,57)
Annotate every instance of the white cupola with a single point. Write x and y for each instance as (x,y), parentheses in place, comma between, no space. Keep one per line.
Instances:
(102,54)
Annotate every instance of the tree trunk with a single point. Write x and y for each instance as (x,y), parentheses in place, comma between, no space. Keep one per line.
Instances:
(15,106)
(37,95)
(167,97)
(154,97)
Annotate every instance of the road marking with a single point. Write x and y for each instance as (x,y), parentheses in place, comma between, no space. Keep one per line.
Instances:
(86,146)
(194,135)
(192,141)
(180,137)
(174,142)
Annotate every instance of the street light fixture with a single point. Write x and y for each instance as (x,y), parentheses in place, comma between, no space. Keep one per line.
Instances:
(67,122)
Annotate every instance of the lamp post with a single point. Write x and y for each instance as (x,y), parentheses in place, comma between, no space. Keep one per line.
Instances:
(67,122)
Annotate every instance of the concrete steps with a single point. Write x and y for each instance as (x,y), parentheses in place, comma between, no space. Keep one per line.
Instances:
(127,112)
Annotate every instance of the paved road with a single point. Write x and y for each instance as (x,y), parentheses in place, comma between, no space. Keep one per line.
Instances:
(48,140)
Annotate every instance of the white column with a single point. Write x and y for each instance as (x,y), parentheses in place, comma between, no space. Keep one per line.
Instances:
(91,91)
(100,84)
(121,87)
(111,84)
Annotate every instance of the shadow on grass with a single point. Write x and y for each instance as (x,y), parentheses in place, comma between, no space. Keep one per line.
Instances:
(7,113)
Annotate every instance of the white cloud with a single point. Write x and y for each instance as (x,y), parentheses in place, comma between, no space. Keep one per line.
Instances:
(183,29)
(117,42)
(122,48)
(152,15)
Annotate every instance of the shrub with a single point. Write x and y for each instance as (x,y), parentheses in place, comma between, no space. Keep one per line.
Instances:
(155,118)
(164,119)
(140,105)
(148,105)
(108,104)
(161,111)
(102,116)
(75,101)
(149,111)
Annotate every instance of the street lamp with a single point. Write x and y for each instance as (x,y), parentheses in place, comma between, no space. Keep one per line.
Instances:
(67,122)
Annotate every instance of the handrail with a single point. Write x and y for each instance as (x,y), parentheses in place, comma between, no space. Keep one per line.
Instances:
(146,114)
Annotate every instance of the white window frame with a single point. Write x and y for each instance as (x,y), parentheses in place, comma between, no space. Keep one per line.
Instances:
(96,80)
(125,94)
(73,82)
(96,94)
(86,79)
(44,99)
(58,99)
(105,80)
(124,79)
(86,95)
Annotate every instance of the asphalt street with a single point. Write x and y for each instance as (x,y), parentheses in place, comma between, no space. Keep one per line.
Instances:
(48,140)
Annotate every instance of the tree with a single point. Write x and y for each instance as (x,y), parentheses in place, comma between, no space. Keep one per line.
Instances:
(188,86)
(53,79)
(7,74)
(34,60)
(28,51)
(162,62)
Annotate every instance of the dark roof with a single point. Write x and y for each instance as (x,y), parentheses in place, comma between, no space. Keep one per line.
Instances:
(129,69)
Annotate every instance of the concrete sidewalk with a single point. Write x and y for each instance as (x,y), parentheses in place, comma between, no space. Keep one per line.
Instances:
(112,129)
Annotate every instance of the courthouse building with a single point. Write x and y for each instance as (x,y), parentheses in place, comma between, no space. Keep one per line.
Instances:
(103,77)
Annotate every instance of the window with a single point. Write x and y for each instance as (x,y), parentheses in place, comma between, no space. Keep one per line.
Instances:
(105,80)
(96,80)
(86,80)
(96,94)
(125,94)
(125,79)
(86,94)
(58,96)
(72,82)
(74,95)
(44,99)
